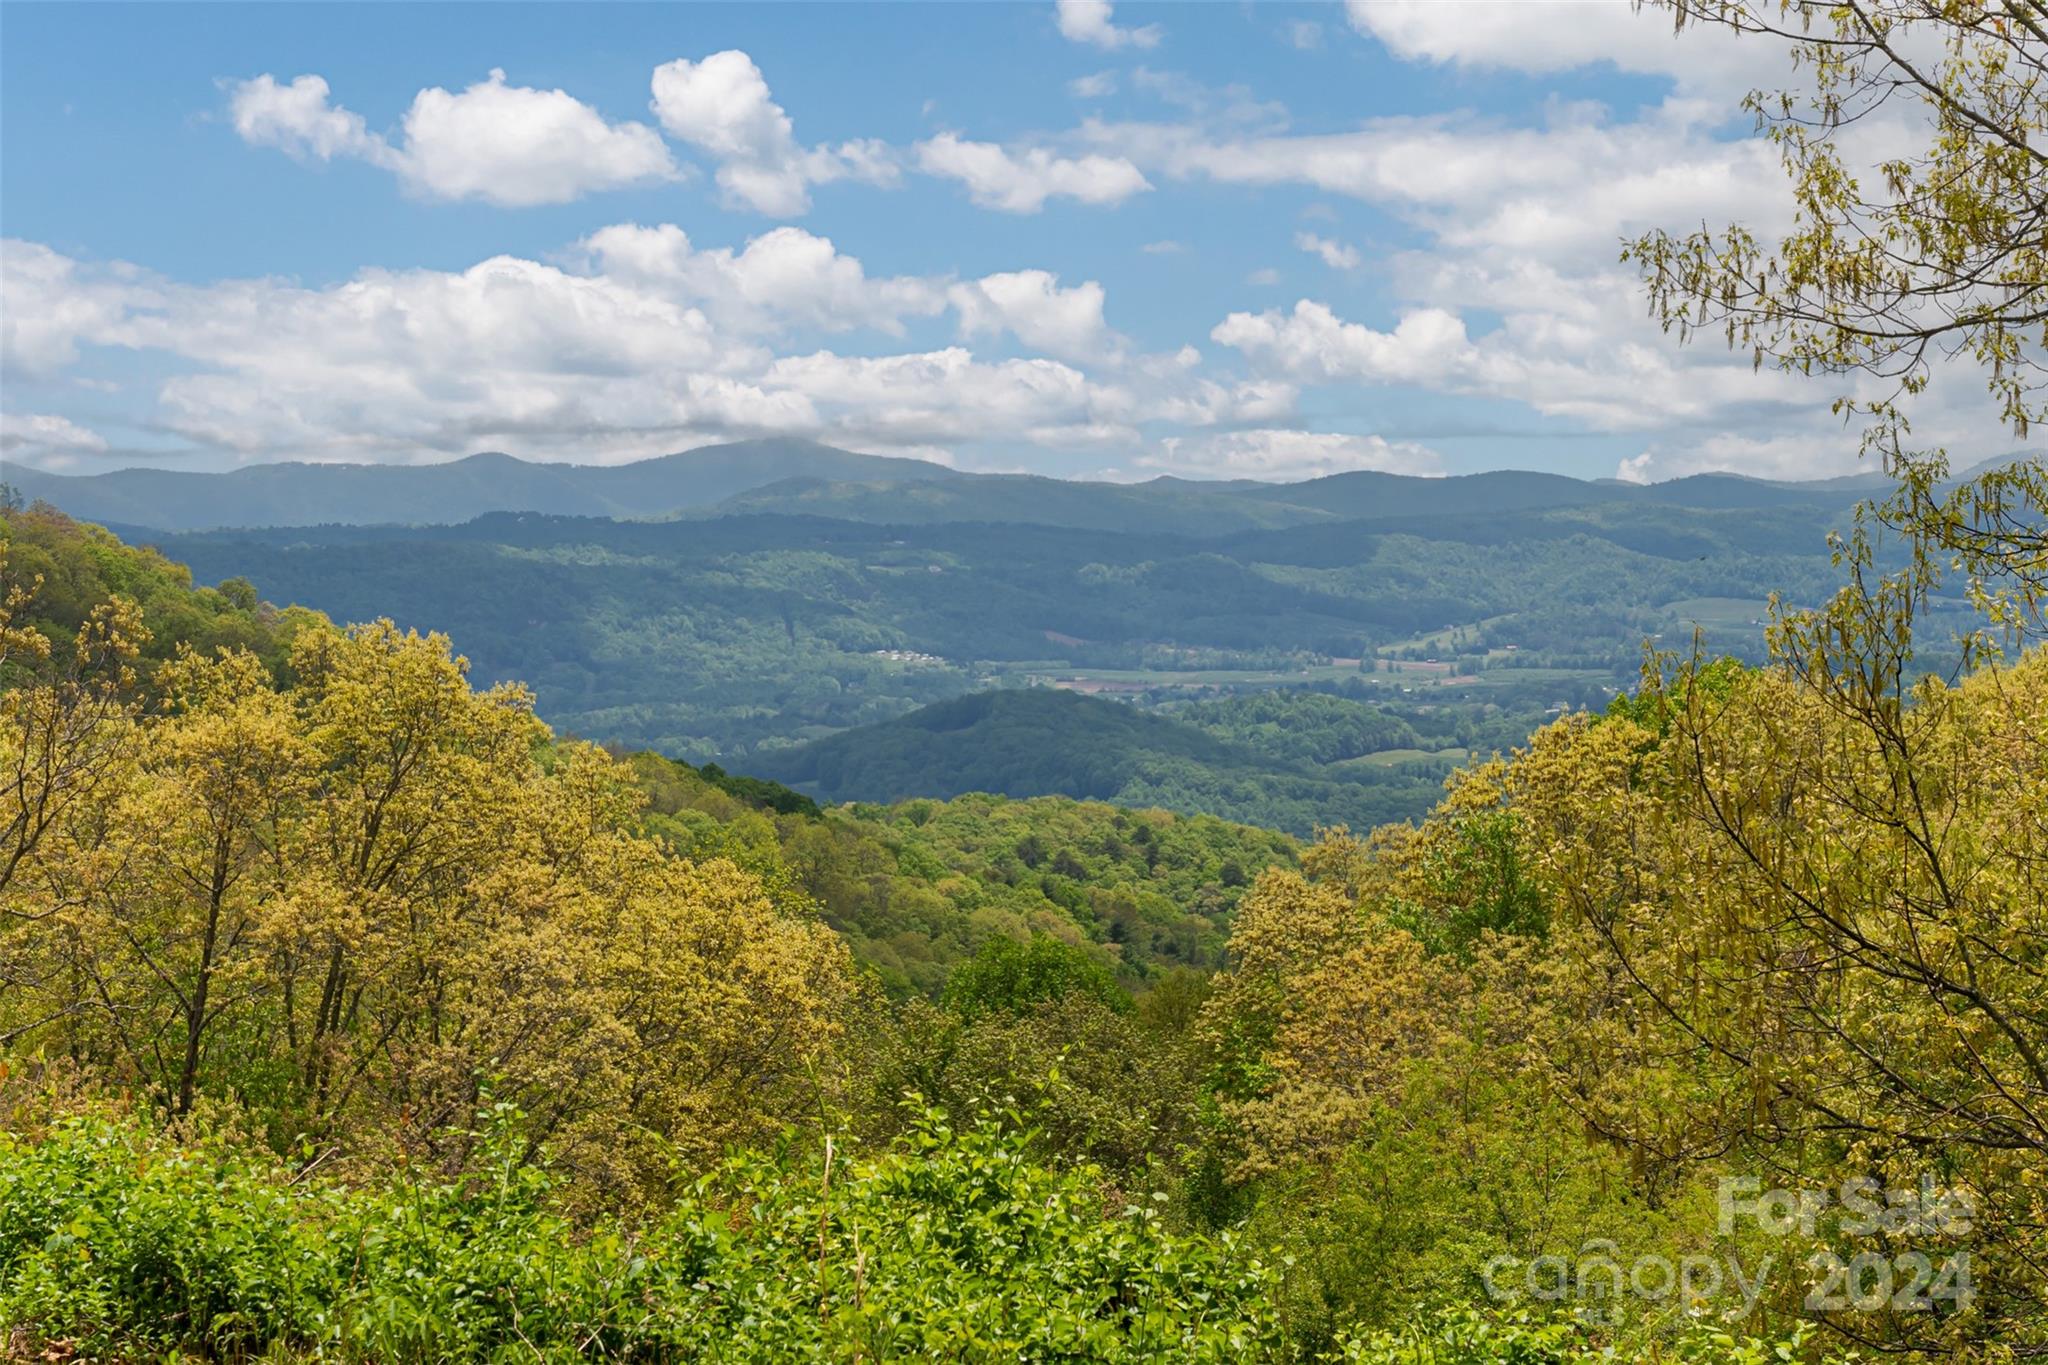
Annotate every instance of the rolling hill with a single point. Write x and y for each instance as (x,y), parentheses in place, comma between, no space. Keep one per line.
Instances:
(1041,742)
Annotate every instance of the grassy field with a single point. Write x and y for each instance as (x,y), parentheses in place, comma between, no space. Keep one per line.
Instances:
(1391,758)
(1719,611)
(1407,677)
(1200,677)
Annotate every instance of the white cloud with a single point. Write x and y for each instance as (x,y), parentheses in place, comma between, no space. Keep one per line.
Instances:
(1167,247)
(1031,305)
(1572,186)
(1809,452)
(1088,21)
(1287,455)
(1335,254)
(1312,343)
(297,118)
(505,144)
(1092,87)
(722,106)
(51,305)
(784,278)
(945,396)
(47,438)
(1021,182)
(1536,36)
(1305,34)
(1262,277)
(639,342)
(1556,365)
(513,145)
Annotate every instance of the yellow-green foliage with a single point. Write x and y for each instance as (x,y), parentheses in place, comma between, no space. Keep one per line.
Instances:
(346,903)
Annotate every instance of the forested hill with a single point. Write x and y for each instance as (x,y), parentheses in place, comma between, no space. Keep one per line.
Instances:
(652,1050)
(803,477)
(1039,742)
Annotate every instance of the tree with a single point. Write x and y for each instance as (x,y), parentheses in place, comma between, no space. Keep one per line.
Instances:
(66,726)
(1941,254)
(1008,977)
(361,905)
(1820,883)
(165,933)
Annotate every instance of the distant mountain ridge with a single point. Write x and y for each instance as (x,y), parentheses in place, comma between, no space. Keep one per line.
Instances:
(296,494)
(804,478)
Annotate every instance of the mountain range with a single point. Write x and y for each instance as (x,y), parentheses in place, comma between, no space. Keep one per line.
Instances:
(805,478)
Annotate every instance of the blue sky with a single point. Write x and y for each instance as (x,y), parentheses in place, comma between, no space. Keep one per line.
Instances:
(1213,240)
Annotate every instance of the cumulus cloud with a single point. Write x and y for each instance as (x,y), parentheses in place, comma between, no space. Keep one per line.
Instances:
(1286,455)
(1031,305)
(784,278)
(1088,21)
(1313,343)
(504,144)
(297,118)
(722,106)
(1335,254)
(1805,452)
(1554,365)
(945,396)
(1531,36)
(637,341)
(52,304)
(1021,181)
(1092,87)
(47,439)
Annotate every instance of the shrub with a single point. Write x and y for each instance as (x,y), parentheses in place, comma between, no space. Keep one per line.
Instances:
(951,1242)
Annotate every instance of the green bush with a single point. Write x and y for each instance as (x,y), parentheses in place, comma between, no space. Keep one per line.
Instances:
(951,1243)
(1007,977)
(1466,1337)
